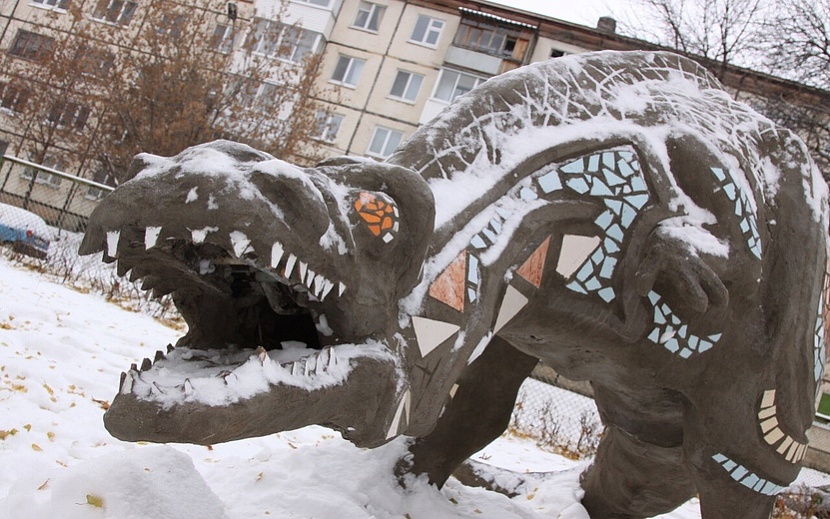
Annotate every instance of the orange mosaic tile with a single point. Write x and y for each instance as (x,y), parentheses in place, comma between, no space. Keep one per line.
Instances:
(449,286)
(378,214)
(533,268)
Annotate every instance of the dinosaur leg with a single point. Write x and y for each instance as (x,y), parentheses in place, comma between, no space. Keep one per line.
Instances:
(477,414)
(737,473)
(639,469)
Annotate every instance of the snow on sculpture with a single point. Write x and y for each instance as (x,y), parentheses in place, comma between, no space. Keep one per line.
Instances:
(615,215)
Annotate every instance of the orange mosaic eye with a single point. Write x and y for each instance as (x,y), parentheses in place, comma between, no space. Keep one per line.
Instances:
(381,217)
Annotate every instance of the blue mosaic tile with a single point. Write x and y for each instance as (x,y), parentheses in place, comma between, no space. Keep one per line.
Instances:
(607,294)
(550,182)
(577,184)
(528,194)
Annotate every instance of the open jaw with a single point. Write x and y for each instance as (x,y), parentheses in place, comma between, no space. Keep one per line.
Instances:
(259,355)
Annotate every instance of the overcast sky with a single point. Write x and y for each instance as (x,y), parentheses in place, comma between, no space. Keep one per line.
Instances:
(583,12)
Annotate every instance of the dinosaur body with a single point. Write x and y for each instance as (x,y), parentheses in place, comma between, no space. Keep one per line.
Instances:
(615,215)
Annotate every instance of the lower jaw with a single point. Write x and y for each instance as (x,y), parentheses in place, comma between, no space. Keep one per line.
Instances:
(260,396)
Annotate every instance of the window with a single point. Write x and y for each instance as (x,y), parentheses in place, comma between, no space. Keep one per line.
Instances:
(453,84)
(321,3)
(52,4)
(42,177)
(223,38)
(327,126)
(491,39)
(119,12)
(406,86)
(384,142)
(68,114)
(275,39)
(30,45)
(13,98)
(259,96)
(94,62)
(427,30)
(347,72)
(171,25)
(368,16)
(102,177)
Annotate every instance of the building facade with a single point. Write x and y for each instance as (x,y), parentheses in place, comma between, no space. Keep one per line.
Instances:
(388,66)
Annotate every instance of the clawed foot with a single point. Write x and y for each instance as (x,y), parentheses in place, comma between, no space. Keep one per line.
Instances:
(677,271)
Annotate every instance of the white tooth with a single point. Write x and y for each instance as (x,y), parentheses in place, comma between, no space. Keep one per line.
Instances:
(332,358)
(318,286)
(327,286)
(305,367)
(395,227)
(127,388)
(295,368)
(276,254)
(303,270)
(187,387)
(340,288)
(240,242)
(289,265)
(322,360)
(112,243)
(309,279)
(151,236)
(198,236)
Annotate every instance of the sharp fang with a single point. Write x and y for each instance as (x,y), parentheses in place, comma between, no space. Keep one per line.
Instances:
(322,359)
(159,356)
(121,381)
(170,348)
(303,270)
(146,364)
(151,236)
(112,243)
(305,367)
(340,288)
(295,367)
(289,265)
(332,358)
(276,254)
(309,279)
(240,243)
(198,235)
(187,387)
(133,367)
(319,283)
(327,286)
(129,380)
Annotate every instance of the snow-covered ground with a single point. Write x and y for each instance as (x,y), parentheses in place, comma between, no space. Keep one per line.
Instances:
(61,354)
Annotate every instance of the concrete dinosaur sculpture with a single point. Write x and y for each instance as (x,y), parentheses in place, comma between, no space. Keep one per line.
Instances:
(616,215)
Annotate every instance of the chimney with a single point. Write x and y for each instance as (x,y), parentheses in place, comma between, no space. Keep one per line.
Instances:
(607,24)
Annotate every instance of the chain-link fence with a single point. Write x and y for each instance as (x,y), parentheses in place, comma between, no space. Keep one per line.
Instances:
(560,415)
(37,203)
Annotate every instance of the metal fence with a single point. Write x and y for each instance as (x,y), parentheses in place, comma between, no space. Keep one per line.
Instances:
(61,200)
(561,416)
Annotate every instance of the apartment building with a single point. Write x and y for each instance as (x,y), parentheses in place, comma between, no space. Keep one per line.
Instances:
(388,65)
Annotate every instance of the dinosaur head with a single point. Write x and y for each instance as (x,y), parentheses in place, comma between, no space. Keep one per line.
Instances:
(288,280)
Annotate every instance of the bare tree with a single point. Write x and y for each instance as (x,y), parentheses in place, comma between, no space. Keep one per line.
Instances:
(799,37)
(722,32)
(165,76)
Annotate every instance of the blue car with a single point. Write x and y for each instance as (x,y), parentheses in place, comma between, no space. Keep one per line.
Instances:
(26,232)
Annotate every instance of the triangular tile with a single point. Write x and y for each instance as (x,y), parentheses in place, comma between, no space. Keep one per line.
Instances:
(401,418)
(575,250)
(533,268)
(512,303)
(449,286)
(430,333)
